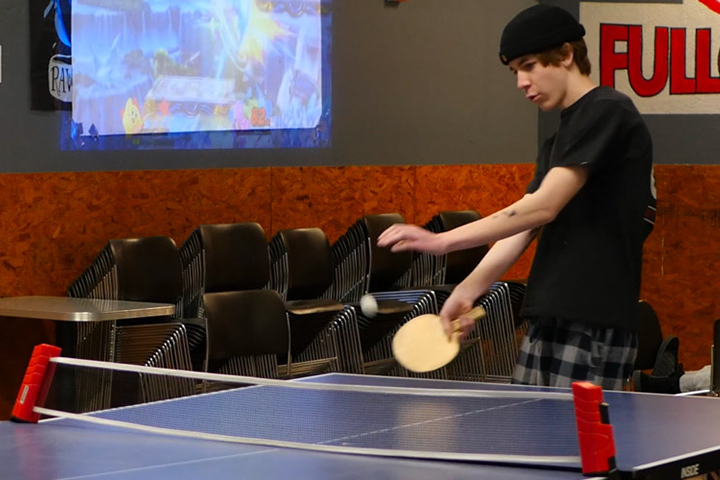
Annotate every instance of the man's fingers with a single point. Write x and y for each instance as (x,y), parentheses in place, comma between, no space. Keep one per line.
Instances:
(467,325)
(390,236)
(447,326)
(401,246)
(463,326)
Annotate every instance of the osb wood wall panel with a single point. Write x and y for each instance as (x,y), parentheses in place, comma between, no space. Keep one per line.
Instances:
(52,226)
(682,258)
(485,188)
(333,198)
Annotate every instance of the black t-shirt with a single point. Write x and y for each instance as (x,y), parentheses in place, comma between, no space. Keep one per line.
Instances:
(588,261)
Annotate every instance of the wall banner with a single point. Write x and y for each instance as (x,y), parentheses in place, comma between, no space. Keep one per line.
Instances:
(664,56)
(50,61)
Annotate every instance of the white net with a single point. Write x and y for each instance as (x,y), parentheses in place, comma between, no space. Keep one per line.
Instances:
(474,424)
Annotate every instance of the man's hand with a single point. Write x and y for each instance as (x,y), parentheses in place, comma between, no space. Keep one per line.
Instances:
(401,237)
(456,307)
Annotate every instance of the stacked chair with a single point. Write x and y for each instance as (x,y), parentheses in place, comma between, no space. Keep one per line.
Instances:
(247,331)
(490,350)
(323,332)
(147,270)
(517,295)
(223,258)
(361,267)
(226,272)
(290,307)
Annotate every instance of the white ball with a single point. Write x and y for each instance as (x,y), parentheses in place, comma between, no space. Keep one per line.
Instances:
(368,305)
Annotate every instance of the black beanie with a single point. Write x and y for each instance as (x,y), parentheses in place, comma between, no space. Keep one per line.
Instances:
(537,29)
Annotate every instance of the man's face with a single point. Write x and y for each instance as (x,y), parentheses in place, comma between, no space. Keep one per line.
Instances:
(545,86)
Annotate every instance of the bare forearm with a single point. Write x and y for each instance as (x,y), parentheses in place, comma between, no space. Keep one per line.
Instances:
(523,215)
(496,262)
(534,210)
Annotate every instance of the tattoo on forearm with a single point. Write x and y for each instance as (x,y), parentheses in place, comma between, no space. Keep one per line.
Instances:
(504,213)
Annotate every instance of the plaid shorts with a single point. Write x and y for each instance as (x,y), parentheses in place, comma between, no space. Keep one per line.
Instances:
(555,353)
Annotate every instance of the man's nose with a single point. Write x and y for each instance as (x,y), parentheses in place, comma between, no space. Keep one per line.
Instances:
(522,81)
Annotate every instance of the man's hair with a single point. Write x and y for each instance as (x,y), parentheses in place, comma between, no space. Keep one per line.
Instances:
(580,55)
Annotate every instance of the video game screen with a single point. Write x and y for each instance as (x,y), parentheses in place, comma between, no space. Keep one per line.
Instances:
(200,73)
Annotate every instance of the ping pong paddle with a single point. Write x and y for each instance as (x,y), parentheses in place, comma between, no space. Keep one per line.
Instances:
(421,345)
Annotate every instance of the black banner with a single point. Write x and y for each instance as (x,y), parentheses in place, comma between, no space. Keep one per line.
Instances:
(50,49)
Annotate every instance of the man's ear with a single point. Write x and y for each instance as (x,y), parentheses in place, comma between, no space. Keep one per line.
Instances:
(569,53)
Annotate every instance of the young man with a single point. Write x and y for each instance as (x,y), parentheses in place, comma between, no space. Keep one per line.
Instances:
(592,194)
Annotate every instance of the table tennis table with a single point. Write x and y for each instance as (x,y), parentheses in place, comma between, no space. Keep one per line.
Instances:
(656,436)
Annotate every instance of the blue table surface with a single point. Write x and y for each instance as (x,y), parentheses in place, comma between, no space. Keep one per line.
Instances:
(648,429)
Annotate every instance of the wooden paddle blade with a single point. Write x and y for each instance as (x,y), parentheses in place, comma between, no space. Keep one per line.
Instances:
(421,345)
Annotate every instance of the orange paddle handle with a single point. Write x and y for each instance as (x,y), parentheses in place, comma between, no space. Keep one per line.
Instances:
(476,314)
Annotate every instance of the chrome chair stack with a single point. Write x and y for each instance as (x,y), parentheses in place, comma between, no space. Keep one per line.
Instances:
(247,330)
(229,265)
(323,332)
(161,346)
(517,295)
(223,258)
(361,267)
(490,351)
(139,269)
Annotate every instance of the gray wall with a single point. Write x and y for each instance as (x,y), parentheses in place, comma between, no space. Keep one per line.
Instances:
(419,83)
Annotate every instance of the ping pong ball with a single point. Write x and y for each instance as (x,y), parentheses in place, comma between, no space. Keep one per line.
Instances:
(368,305)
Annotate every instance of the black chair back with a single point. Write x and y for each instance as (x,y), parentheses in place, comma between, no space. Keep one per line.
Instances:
(148,269)
(462,262)
(310,264)
(386,267)
(245,323)
(649,336)
(236,257)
